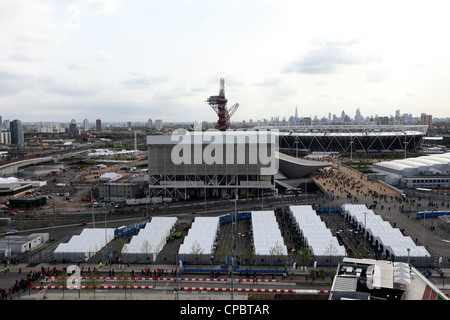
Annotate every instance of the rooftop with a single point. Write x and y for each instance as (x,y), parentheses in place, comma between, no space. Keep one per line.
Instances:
(367,279)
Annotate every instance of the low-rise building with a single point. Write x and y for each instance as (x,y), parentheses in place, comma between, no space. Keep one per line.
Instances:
(367,279)
(118,191)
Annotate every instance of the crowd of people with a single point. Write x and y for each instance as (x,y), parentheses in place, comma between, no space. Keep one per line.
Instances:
(20,285)
(342,181)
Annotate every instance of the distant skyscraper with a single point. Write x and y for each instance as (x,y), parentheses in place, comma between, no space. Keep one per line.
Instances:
(158,124)
(149,123)
(15,127)
(5,137)
(73,128)
(358,116)
(85,125)
(427,119)
(296,115)
(98,125)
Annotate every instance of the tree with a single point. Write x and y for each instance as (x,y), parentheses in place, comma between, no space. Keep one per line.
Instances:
(124,281)
(330,251)
(196,251)
(303,255)
(118,246)
(93,280)
(250,253)
(145,249)
(312,274)
(360,251)
(61,280)
(223,251)
(276,252)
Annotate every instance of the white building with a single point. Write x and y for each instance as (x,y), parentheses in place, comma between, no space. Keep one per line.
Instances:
(158,124)
(422,172)
(85,125)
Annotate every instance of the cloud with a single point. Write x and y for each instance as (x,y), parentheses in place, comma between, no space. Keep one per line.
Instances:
(138,80)
(102,57)
(93,7)
(24,57)
(13,82)
(377,75)
(71,89)
(269,82)
(326,57)
(78,66)
(9,87)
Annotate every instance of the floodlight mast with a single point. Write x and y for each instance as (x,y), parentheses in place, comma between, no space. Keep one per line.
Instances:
(219,104)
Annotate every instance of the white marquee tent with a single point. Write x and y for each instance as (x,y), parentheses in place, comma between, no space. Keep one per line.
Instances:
(146,245)
(322,244)
(393,242)
(267,239)
(82,247)
(199,243)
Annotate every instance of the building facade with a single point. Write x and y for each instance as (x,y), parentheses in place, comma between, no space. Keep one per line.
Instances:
(16,133)
(211,164)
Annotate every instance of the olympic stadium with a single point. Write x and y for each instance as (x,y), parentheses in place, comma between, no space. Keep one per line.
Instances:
(348,138)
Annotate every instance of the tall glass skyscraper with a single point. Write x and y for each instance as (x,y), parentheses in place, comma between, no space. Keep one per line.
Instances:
(15,127)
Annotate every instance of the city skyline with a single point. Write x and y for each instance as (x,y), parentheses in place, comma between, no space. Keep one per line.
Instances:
(124,61)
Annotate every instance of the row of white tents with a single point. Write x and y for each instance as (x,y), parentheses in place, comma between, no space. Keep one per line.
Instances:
(391,240)
(198,245)
(81,248)
(267,239)
(319,239)
(146,245)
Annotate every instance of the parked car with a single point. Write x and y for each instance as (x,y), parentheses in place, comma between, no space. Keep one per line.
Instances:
(12,231)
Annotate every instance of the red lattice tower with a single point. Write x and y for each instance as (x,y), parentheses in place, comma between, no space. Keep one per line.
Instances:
(219,104)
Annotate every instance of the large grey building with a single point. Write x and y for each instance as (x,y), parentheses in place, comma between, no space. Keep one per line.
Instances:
(219,164)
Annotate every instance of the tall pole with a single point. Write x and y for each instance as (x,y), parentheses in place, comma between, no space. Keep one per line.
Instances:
(176,275)
(93,214)
(106,239)
(233,226)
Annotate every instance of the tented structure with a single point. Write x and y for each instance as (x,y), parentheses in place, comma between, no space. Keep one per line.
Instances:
(321,243)
(267,239)
(198,245)
(402,274)
(396,170)
(146,245)
(391,241)
(82,247)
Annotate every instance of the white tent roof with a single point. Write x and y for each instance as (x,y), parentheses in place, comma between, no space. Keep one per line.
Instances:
(203,233)
(89,241)
(317,235)
(266,234)
(152,237)
(391,238)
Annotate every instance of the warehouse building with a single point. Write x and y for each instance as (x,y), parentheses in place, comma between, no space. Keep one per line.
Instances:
(27,202)
(16,244)
(430,171)
(11,186)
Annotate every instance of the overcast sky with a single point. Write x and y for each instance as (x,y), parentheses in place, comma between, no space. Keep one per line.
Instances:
(130,60)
